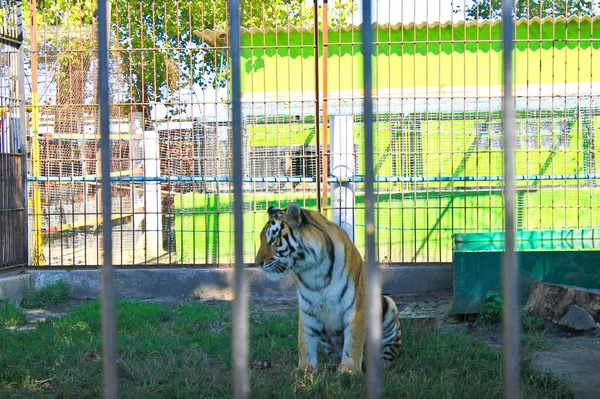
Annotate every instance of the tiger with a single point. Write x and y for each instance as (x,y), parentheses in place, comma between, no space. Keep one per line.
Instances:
(329,274)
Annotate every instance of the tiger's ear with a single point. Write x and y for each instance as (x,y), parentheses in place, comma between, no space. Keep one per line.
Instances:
(293,215)
(272,211)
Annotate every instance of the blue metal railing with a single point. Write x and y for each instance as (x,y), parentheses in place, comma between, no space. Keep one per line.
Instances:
(302,179)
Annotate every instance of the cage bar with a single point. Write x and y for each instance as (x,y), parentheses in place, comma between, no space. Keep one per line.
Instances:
(373,283)
(510,267)
(108,294)
(240,301)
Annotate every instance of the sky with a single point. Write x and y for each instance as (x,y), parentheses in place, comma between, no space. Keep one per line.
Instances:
(407,11)
(394,11)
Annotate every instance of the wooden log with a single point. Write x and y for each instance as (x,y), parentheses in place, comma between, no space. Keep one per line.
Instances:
(552,301)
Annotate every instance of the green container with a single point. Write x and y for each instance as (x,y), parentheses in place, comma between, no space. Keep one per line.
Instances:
(569,257)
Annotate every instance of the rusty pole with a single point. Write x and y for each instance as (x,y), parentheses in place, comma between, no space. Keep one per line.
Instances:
(325,110)
(317,104)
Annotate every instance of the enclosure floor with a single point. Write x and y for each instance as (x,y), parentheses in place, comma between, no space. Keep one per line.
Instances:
(574,354)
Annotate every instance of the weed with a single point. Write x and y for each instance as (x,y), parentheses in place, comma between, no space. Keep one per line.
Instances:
(10,315)
(50,295)
(493,314)
(532,323)
(493,308)
(536,342)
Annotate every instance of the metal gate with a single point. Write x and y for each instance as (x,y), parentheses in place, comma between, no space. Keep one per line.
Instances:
(13,201)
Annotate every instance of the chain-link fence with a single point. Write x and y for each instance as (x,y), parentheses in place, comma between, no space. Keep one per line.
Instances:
(437,124)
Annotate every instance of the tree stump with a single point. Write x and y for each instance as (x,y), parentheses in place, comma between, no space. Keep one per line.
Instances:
(553,301)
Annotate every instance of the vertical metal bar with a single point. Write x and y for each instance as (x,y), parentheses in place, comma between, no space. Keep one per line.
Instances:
(373,283)
(109,322)
(240,302)
(23,134)
(317,104)
(35,143)
(510,266)
(325,109)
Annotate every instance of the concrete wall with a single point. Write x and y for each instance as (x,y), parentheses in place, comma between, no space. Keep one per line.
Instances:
(14,287)
(218,283)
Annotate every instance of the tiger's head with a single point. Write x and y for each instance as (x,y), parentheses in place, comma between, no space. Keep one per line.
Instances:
(280,248)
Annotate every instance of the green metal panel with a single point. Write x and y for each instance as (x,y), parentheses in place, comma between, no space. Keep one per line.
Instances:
(419,56)
(561,257)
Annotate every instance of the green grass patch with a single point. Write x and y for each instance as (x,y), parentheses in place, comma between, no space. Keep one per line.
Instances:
(532,326)
(536,342)
(185,352)
(50,295)
(11,316)
(532,323)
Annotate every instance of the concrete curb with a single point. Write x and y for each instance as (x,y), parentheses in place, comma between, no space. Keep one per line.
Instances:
(218,283)
(14,287)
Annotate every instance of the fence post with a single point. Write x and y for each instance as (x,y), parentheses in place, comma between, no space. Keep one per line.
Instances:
(342,165)
(109,284)
(153,241)
(510,265)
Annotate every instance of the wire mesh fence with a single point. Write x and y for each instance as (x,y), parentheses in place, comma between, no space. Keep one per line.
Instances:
(437,126)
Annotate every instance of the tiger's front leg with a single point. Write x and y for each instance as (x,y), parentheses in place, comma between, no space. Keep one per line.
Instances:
(307,347)
(354,339)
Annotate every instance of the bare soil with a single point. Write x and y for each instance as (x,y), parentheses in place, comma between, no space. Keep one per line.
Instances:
(577,357)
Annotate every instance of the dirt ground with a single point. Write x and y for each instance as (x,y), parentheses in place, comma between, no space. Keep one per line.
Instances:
(577,355)
(579,358)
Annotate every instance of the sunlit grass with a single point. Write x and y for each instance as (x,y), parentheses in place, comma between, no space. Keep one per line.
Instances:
(185,352)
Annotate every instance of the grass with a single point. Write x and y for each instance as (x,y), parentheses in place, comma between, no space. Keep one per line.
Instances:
(532,326)
(50,295)
(185,352)
(536,342)
(11,316)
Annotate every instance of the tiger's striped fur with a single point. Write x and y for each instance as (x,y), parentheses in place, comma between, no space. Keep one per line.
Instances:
(329,275)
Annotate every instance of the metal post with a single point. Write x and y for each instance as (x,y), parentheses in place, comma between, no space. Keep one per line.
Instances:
(35,143)
(153,233)
(510,266)
(317,104)
(373,284)
(109,322)
(24,126)
(240,302)
(325,196)
(342,166)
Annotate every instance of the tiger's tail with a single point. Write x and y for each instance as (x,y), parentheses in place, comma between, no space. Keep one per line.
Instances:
(391,335)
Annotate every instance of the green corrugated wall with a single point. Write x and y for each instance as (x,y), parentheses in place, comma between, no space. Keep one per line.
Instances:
(424,56)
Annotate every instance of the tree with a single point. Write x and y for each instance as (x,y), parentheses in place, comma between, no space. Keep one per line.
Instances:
(157,54)
(68,56)
(528,9)
(160,54)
